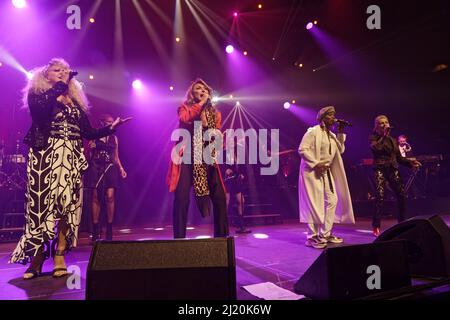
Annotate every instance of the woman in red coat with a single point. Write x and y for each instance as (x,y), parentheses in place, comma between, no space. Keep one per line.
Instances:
(205,177)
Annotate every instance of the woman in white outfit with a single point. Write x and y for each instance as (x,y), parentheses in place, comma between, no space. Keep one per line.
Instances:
(324,197)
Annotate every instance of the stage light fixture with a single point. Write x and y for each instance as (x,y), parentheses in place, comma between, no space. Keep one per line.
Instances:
(137,84)
(19,4)
(309,25)
(286,105)
(229,49)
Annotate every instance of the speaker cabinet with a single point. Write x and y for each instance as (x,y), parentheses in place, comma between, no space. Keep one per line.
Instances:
(344,272)
(163,270)
(428,244)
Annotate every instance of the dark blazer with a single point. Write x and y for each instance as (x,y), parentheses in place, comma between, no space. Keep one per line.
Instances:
(386,152)
(43,107)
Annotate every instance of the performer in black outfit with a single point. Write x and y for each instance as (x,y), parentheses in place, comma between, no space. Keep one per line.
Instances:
(386,159)
(234,180)
(103,174)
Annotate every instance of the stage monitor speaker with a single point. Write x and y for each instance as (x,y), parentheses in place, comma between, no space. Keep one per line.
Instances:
(181,269)
(428,244)
(355,271)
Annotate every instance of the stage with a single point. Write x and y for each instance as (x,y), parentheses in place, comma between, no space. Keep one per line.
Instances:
(271,253)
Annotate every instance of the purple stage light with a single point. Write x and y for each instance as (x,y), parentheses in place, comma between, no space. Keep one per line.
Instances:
(309,25)
(137,84)
(19,4)
(286,105)
(235,14)
(229,49)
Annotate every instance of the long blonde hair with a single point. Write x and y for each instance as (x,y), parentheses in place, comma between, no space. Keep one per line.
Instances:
(190,99)
(39,84)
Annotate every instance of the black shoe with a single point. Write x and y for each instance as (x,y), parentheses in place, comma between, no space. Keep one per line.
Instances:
(95,232)
(109,233)
(35,268)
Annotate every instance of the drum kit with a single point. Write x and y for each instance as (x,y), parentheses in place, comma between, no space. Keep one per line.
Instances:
(12,168)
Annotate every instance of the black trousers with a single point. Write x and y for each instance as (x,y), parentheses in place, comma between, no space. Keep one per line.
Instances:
(382,177)
(182,197)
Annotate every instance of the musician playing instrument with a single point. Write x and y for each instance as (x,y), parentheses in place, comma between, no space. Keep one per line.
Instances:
(386,154)
(404,147)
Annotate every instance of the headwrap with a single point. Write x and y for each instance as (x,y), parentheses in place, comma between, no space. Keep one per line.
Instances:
(324,111)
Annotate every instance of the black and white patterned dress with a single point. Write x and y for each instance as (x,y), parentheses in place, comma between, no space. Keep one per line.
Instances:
(54,189)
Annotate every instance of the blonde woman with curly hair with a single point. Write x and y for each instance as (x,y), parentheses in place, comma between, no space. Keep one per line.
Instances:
(58,108)
(205,178)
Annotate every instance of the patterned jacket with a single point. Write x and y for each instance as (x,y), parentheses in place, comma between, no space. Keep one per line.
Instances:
(43,107)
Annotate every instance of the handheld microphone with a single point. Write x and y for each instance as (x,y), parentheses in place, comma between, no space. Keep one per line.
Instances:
(343,122)
(72,74)
(207,104)
(387,130)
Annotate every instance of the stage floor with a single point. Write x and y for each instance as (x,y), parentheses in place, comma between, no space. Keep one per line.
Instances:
(271,253)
